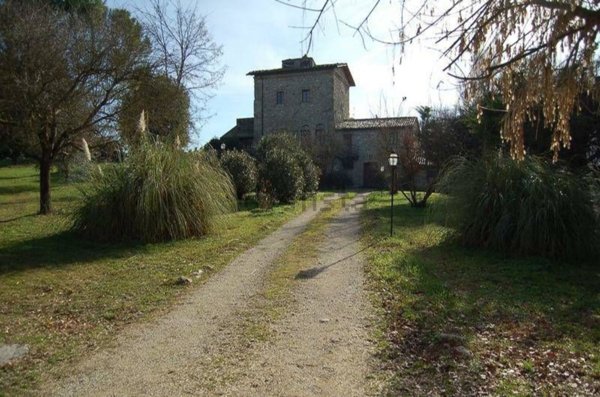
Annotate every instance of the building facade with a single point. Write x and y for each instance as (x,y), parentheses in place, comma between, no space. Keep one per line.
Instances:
(313,101)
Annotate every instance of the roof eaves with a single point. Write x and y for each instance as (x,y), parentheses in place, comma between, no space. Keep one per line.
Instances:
(343,66)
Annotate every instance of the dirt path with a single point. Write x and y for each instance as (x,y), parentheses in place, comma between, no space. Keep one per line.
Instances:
(320,345)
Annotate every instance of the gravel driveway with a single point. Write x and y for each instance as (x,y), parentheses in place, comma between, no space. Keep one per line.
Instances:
(320,346)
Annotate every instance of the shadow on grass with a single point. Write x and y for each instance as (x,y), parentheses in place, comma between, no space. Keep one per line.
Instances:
(526,309)
(30,184)
(16,218)
(8,178)
(61,249)
(17,189)
(315,271)
(404,214)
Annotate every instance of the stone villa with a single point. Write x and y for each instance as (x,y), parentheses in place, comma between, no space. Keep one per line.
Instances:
(313,101)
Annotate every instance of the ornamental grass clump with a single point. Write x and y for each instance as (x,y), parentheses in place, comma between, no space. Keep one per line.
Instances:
(528,207)
(159,193)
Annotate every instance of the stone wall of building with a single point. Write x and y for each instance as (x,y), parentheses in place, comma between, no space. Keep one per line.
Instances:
(366,148)
(369,146)
(328,101)
(341,96)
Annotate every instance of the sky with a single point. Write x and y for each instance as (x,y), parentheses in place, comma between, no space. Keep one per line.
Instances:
(258,34)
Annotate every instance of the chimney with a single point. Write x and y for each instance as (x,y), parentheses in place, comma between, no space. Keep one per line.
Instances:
(298,63)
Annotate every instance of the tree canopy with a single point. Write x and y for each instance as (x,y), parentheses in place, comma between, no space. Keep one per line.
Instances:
(166,105)
(63,76)
(77,5)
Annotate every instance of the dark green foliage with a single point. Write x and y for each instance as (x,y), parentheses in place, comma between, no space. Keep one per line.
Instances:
(166,106)
(242,169)
(62,76)
(527,207)
(310,172)
(280,140)
(285,168)
(593,179)
(157,194)
(281,172)
(81,6)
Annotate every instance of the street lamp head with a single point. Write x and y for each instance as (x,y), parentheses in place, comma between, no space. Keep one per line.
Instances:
(393,160)
(223,146)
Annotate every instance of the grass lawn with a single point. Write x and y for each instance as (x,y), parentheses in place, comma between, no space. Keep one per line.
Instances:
(461,321)
(65,296)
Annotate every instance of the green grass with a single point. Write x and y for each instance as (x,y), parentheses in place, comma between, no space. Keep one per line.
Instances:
(531,326)
(65,296)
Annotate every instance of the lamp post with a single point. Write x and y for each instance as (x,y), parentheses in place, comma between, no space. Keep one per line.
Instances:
(393,160)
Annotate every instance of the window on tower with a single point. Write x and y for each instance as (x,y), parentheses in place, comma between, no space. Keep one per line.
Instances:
(279,98)
(319,132)
(305,96)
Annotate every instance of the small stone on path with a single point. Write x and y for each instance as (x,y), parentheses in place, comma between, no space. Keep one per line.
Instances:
(12,352)
(444,337)
(324,320)
(183,281)
(463,351)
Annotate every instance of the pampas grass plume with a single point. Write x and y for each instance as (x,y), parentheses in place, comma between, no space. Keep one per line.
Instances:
(86,149)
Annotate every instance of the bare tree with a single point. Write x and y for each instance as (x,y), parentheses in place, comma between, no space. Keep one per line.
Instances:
(413,168)
(183,48)
(424,152)
(62,76)
(536,53)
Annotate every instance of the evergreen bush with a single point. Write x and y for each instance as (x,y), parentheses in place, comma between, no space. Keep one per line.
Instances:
(281,172)
(528,207)
(310,173)
(242,169)
(285,169)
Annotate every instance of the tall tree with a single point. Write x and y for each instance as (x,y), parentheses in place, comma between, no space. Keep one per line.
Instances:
(63,76)
(183,48)
(166,105)
(538,54)
(78,5)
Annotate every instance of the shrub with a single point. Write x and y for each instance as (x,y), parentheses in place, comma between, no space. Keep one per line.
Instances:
(280,171)
(281,140)
(527,207)
(242,169)
(594,180)
(310,173)
(285,168)
(158,194)
(264,199)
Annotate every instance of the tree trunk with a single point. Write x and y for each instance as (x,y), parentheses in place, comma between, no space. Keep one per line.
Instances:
(45,199)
